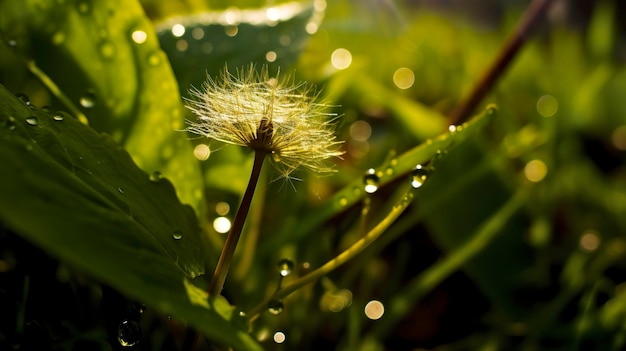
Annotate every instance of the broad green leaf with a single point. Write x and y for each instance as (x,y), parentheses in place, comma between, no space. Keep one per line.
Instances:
(80,197)
(102,60)
(198,44)
(396,168)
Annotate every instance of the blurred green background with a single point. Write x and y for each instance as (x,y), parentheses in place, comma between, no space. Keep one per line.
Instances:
(517,240)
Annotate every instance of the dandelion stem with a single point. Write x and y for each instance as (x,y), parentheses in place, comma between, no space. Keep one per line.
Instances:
(228,251)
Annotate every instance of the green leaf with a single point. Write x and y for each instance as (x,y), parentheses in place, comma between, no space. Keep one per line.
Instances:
(102,60)
(79,196)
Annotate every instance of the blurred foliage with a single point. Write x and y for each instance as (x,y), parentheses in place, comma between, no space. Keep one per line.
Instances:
(516,241)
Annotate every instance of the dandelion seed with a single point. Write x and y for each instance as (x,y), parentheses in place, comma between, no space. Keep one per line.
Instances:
(279,117)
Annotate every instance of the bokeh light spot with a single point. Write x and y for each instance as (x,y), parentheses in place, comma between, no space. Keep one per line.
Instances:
(547,105)
(403,78)
(341,58)
(374,309)
(270,56)
(178,30)
(589,241)
(222,208)
(618,137)
(535,170)
(360,130)
(221,225)
(139,36)
(279,337)
(202,152)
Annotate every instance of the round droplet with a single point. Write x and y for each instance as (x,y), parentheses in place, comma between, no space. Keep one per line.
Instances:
(128,333)
(156,176)
(177,235)
(32,120)
(24,98)
(58,116)
(88,100)
(371,181)
(275,307)
(284,267)
(419,175)
(10,123)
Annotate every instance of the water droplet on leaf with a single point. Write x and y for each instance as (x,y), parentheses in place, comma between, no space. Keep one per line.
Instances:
(10,123)
(343,201)
(156,176)
(58,117)
(284,267)
(419,175)
(32,120)
(121,190)
(371,181)
(275,307)
(128,333)
(24,98)
(88,100)
(154,59)
(177,235)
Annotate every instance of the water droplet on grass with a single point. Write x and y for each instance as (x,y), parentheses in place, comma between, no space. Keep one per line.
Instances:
(128,333)
(371,181)
(419,175)
(32,120)
(58,116)
(275,307)
(177,235)
(284,267)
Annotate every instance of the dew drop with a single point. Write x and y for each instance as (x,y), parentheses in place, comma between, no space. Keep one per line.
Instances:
(32,120)
(452,128)
(24,98)
(275,307)
(177,235)
(389,171)
(10,123)
(58,116)
(88,100)
(120,190)
(12,43)
(419,175)
(285,267)
(371,181)
(128,333)
(156,176)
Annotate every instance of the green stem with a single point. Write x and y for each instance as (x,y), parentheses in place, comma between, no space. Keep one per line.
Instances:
(228,251)
(336,262)
(533,14)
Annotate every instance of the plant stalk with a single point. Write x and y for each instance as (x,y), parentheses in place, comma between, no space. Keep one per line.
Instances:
(533,14)
(228,251)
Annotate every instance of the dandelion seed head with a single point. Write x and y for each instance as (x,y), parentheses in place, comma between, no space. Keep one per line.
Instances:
(249,108)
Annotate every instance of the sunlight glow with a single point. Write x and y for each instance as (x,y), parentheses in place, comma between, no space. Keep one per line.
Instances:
(221,225)
(535,170)
(403,78)
(202,152)
(139,36)
(178,30)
